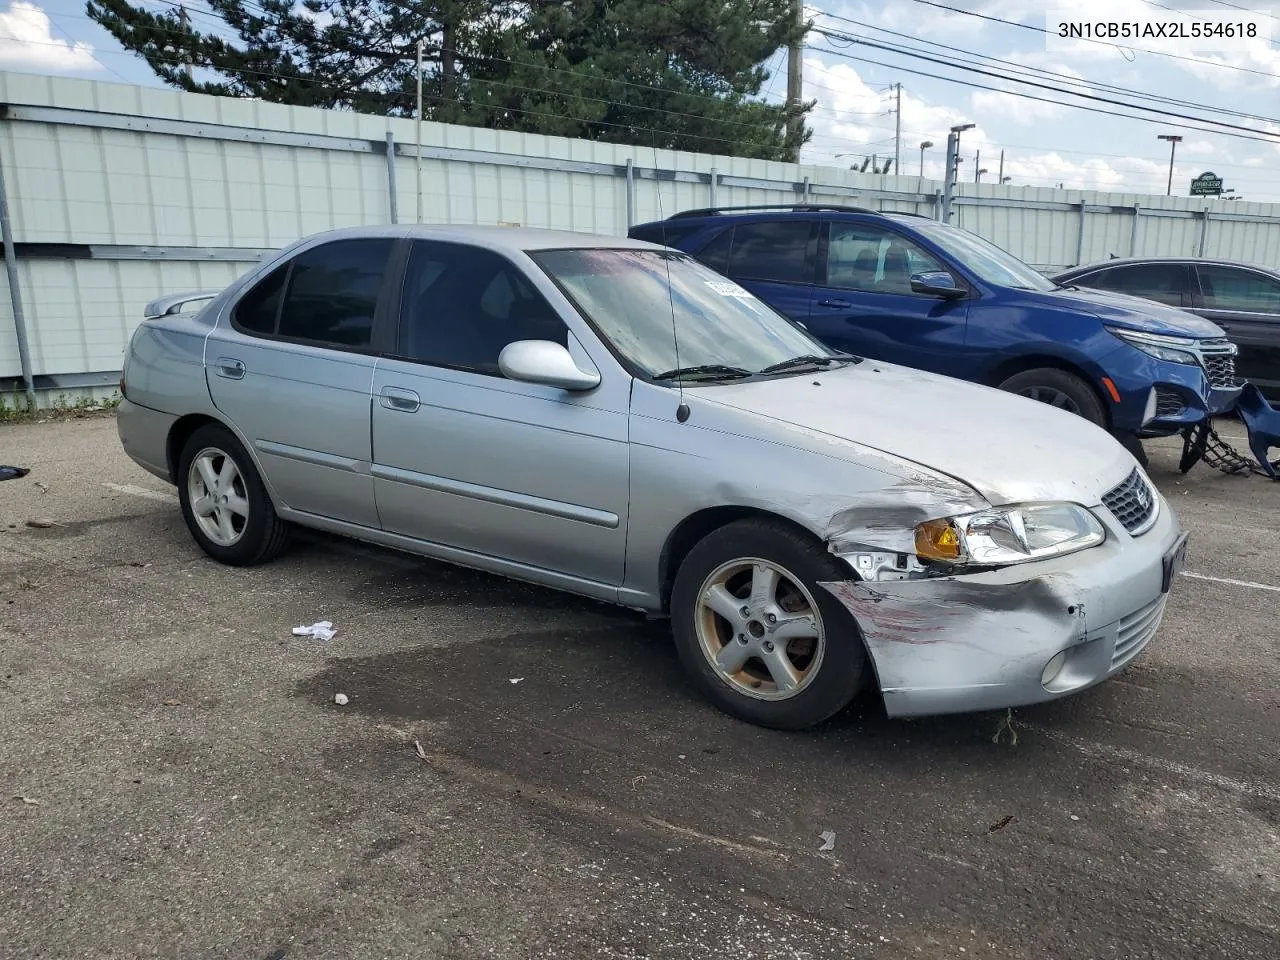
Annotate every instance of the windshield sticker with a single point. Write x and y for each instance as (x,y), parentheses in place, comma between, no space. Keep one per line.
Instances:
(727,289)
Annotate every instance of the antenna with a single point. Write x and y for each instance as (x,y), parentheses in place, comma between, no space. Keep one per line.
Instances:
(682,410)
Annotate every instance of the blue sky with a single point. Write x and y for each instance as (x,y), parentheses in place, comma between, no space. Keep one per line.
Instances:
(1044,143)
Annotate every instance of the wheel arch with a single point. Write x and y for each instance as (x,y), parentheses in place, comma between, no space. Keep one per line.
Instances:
(188,424)
(693,528)
(1033,361)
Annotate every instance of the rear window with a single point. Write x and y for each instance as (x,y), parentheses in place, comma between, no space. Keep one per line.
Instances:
(667,234)
(716,253)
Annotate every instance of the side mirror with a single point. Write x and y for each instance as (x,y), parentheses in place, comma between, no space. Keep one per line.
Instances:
(545,362)
(936,284)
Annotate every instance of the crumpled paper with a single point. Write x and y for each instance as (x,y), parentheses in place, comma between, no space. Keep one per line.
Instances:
(321,630)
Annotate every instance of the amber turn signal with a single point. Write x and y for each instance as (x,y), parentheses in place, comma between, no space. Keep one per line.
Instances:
(937,540)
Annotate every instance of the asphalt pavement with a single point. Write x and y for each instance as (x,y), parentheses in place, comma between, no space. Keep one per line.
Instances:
(519,773)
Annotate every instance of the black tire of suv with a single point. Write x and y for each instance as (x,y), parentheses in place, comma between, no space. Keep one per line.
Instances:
(265,535)
(843,667)
(1088,403)
(1132,443)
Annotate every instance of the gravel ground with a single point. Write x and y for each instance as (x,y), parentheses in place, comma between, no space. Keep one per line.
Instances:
(178,780)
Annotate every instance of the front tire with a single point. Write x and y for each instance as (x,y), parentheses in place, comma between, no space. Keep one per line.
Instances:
(225,503)
(758,634)
(1060,389)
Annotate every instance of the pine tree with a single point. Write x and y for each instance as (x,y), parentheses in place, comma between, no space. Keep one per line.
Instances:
(676,74)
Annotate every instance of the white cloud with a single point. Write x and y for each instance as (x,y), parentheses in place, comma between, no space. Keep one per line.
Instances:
(27,41)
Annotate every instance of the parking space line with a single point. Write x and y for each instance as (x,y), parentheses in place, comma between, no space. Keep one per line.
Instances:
(1235,583)
(1112,752)
(136,491)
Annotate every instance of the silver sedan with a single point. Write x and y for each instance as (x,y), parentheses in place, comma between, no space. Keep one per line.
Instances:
(611,418)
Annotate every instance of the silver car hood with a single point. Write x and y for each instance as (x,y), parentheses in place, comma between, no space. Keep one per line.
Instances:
(1008,448)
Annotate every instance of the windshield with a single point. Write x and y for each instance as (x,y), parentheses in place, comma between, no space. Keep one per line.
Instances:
(627,296)
(984,258)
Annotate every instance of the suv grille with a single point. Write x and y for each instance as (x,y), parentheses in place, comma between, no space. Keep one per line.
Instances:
(1132,503)
(1219,358)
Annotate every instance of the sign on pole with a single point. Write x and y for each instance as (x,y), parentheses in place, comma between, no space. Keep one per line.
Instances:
(1208,184)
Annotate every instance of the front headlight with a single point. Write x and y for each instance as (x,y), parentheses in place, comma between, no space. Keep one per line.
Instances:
(1005,535)
(1158,345)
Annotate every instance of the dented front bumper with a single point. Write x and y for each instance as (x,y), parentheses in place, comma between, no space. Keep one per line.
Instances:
(983,641)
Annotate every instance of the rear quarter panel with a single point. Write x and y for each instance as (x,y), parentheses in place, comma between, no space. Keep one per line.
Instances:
(164,365)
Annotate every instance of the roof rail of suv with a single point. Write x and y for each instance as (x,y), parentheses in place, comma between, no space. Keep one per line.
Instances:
(796,207)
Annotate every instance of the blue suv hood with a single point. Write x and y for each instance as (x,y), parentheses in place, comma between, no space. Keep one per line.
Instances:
(1134,313)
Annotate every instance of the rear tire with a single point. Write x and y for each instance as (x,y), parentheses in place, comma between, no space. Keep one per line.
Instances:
(795,657)
(224,501)
(1061,389)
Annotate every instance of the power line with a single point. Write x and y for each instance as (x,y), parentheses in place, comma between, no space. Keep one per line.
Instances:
(1028,96)
(1236,6)
(1041,71)
(1105,43)
(960,65)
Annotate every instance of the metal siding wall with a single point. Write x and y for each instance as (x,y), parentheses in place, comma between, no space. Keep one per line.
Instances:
(137,187)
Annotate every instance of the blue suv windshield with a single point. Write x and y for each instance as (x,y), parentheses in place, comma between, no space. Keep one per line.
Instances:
(989,262)
(637,299)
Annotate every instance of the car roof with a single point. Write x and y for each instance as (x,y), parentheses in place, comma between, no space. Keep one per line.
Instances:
(798,211)
(504,239)
(1128,261)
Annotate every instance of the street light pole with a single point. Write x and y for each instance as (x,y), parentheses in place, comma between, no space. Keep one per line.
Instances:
(924,145)
(1173,146)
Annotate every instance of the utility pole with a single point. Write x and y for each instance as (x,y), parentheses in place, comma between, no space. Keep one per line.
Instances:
(186,29)
(977,162)
(1173,146)
(795,80)
(418,133)
(897,135)
(1002,166)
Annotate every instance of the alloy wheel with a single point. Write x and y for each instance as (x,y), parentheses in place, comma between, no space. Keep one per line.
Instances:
(759,629)
(218,498)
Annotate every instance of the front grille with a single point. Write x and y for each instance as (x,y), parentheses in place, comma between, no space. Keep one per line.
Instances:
(1133,503)
(1135,631)
(1221,369)
(1168,403)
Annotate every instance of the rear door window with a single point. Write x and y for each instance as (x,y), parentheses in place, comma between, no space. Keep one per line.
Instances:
(1230,288)
(781,251)
(333,292)
(259,309)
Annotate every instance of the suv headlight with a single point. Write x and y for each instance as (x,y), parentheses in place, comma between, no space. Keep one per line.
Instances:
(1006,535)
(1174,349)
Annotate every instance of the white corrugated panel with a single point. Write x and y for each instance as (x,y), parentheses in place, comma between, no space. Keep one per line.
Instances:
(87,184)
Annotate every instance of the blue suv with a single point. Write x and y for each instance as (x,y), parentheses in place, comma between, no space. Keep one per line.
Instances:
(907,289)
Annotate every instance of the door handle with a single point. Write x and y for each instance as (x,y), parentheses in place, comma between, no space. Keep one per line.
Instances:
(834,303)
(400,399)
(229,368)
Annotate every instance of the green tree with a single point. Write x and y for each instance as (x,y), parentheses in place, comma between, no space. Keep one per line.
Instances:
(678,74)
